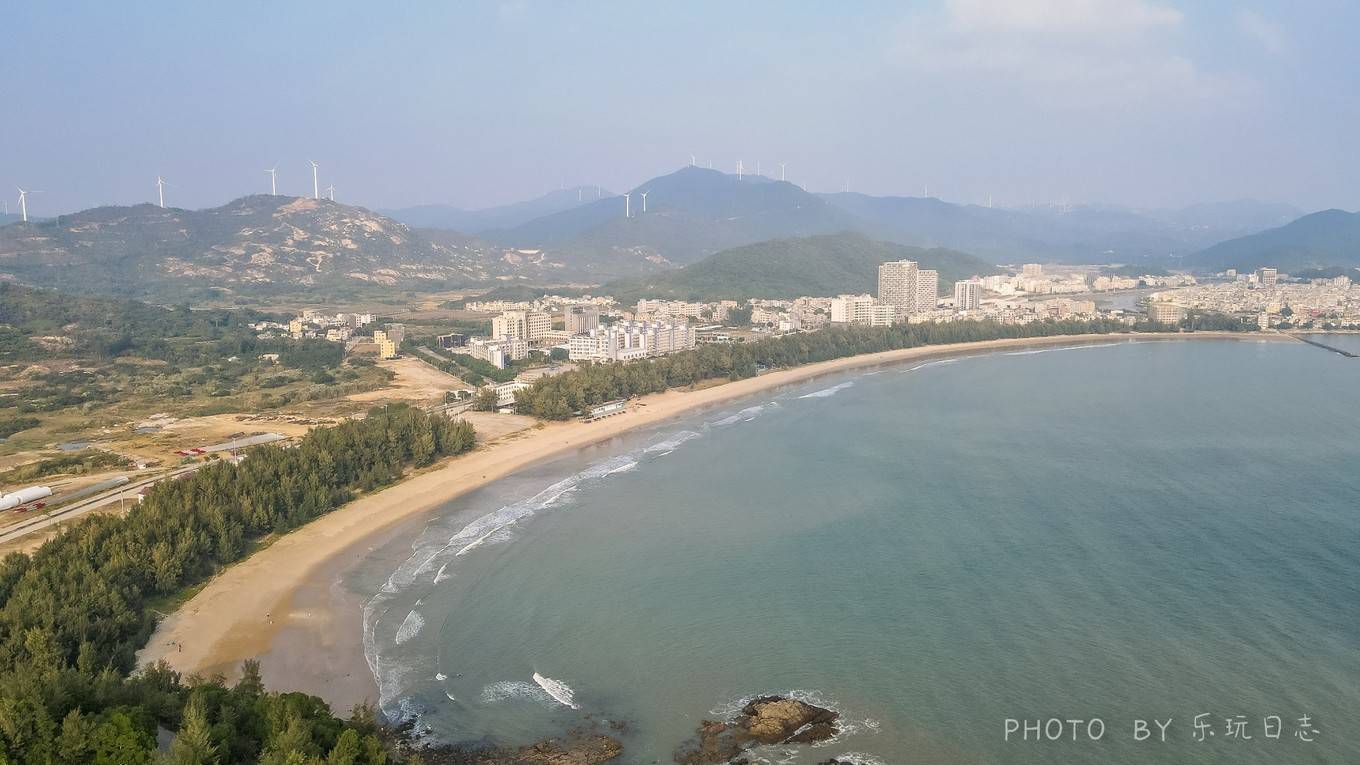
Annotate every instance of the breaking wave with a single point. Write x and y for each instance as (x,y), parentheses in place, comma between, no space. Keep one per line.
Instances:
(833,390)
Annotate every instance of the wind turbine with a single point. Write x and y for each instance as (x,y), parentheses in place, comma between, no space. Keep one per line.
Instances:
(691,160)
(316,190)
(644,200)
(273,180)
(739,169)
(627,205)
(330,191)
(23,202)
(781,170)
(757,167)
(160,190)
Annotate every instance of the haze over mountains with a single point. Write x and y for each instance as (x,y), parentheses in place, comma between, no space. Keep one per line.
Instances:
(504,216)
(825,264)
(1321,240)
(258,244)
(263,244)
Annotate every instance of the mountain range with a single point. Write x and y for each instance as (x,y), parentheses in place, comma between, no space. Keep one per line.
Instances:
(1318,241)
(267,245)
(695,212)
(826,264)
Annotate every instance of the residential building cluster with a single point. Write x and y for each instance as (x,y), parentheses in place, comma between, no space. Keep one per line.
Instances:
(312,324)
(1272,298)
(631,339)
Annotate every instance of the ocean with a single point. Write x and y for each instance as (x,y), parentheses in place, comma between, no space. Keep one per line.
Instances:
(953,554)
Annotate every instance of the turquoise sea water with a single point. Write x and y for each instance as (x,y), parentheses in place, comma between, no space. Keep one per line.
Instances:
(1140,530)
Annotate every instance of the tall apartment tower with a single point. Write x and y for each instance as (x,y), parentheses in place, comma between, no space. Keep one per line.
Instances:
(1268,277)
(927,289)
(907,287)
(897,285)
(967,295)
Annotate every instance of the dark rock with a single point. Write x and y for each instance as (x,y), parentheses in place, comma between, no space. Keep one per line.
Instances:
(766,720)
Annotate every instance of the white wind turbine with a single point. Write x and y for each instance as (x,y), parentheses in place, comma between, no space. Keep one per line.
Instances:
(644,200)
(23,202)
(739,169)
(273,180)
(316,190)
(330,192)
(782,165)
(627,205)
(691,160)
(160,190)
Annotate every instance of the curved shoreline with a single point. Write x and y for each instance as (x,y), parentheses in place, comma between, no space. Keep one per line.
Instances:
(244,611)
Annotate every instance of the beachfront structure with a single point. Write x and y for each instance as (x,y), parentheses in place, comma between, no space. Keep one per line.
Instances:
(907,287)
(528,326)
(505,392)
(608,408)
(1165,313)
(628,340)
(498,352)
(967,295)
(580,319)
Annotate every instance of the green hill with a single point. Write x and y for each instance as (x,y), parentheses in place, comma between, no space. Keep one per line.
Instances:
(1326,239)
(830,264)
(257,245)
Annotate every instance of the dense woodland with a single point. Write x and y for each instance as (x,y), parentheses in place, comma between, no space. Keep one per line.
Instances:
(74,613)
(560,396)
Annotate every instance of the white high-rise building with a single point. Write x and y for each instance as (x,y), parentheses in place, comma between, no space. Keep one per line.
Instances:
(906,287)
(967,295)
(1268,277)
(897,285)
(927,290)
(1032,270)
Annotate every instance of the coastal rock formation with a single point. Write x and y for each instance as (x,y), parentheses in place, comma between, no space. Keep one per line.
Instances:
(576,749)
(766,720)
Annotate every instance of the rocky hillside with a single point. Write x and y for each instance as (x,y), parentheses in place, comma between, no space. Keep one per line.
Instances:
(255,245)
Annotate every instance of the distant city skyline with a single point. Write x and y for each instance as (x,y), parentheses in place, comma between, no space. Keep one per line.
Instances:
(1137,103)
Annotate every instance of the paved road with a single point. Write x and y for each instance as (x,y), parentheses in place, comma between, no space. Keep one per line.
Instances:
(127,492)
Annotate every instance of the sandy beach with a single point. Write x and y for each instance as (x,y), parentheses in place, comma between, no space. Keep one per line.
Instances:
(285,603)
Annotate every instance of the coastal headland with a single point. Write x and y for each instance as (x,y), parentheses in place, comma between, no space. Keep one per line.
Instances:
(283,603)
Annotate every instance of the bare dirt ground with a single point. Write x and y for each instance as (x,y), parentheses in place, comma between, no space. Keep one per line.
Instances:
(415,381)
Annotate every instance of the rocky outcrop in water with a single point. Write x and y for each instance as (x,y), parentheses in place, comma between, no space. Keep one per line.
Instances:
(576,749)
(766,720)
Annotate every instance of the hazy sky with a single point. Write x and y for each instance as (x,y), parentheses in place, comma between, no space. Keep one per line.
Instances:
(1137,102)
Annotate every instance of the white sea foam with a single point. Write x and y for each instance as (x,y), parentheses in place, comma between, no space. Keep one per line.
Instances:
(671,444)
(833,390)
(507,690)
(557,689)
(410,627)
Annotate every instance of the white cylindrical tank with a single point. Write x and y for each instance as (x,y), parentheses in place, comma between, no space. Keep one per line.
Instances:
(24,496)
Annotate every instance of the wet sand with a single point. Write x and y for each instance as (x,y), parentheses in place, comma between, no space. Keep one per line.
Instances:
(288,606)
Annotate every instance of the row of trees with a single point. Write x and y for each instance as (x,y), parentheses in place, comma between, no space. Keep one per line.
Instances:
(559,396)
(73,614)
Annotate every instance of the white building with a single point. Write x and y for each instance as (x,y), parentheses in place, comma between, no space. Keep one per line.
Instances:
(581,318)
(528,326)
(906,287)
(628,340)
(968,295)
(498,352)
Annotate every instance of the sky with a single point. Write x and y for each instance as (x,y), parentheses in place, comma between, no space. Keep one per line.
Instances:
(1141,103)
